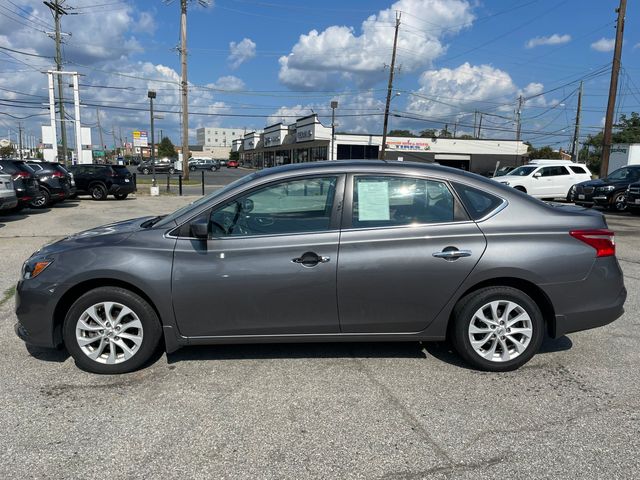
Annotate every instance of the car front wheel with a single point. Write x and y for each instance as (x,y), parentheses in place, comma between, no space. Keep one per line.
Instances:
(111,330)
(619,202)
(497,329)
(145,171)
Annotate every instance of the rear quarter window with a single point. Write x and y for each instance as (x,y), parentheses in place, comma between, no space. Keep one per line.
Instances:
(478,203)
(579,170)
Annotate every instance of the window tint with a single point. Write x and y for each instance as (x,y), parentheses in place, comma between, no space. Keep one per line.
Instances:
(382,201)
(579,170)
(522,171)
(478,203)
(620,174)
(296,206)
(553,171)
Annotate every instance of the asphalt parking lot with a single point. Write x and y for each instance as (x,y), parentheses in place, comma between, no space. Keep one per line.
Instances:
(369,410)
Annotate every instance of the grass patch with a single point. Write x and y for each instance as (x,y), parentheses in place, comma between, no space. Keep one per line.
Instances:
(7,295)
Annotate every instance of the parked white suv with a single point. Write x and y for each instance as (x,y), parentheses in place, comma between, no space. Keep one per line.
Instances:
(546,178)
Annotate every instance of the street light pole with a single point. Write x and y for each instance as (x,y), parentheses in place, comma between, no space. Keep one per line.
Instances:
(334,105)
(152,94)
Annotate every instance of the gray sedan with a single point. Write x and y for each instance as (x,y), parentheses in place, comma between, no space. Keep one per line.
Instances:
(330,251)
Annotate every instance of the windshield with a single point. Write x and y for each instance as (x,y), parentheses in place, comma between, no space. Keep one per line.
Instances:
(522,171)
(623,174)
(181,211)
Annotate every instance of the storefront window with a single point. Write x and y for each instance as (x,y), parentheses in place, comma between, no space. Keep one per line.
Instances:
(318,154)
(283,157)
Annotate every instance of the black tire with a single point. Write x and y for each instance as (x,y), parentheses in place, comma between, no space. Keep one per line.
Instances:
(522,189)
(121,196)
(464,314)
(618,203)
(151,330)
(192,169)
(98,192)
(213,169)
(145,171)
(43,201)
(171,170)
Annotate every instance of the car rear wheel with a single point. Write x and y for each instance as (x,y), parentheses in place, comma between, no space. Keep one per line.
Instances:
(111,330)
(193,169)
(121,196)
(497,329)
(213,169)
(145,171)
(171,171)
(98,192)
(43,200)
(522,189)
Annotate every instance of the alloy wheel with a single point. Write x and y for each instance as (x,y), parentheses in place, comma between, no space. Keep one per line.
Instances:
(500,331)
(620,203)
(109,333)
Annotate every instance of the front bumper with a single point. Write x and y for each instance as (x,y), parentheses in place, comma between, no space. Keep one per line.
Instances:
(35,308)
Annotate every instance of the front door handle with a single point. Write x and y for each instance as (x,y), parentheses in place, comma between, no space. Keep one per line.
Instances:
(452,253)
(310,259)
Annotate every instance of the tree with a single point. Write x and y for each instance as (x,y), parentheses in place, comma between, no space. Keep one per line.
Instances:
(428,133)
(166,148)
(400,133)
(543,152)
(8,151)
(466,136)
(234,156)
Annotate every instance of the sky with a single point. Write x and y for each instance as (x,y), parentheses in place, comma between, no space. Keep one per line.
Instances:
(253,63)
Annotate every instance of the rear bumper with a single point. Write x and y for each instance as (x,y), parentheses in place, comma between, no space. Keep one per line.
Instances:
(117,188)
(7,203)
(585,320)
(595,301)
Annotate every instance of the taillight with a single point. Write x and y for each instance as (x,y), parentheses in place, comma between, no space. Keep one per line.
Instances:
(601,239)
(58,174)
(19,175)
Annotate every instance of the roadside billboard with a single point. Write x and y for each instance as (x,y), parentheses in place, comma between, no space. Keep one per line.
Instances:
(140,139)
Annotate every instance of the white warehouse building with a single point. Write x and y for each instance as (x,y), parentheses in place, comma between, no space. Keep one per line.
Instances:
(218,136)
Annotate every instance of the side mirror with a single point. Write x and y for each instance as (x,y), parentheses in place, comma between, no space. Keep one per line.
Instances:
(537,175)
(200,228)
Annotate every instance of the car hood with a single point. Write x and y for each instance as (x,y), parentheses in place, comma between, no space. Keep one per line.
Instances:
(601,182)
(112,232)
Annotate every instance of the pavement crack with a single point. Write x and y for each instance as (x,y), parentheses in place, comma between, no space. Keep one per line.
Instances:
(445,470)
(408,417)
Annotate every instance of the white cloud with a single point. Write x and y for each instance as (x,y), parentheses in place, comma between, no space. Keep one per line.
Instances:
(340,53)
(445,93)
(554,39)
(241,51)
(146,23)
(637,45)
(604,45)
(228,83)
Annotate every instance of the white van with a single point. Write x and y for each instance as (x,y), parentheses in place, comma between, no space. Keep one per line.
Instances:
(546,178)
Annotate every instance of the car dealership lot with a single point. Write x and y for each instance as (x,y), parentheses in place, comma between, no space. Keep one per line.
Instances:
(386,410)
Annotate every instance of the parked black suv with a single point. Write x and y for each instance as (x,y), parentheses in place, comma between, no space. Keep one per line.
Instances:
(24,181)
(606,192)
(163,165)
(632,197)
(102,180)
(54,182)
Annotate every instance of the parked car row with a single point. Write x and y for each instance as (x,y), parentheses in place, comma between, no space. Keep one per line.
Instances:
(39,184)
(562,179)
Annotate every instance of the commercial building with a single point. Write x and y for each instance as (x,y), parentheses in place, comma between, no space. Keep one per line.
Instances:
(218,136)
(307,140)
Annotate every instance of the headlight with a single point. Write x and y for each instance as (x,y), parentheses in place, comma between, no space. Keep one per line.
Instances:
(31,268)
(607,188)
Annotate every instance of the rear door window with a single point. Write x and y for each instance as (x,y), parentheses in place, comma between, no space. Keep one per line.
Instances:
(388,201)
(553,171)
(579,170)
(120,170)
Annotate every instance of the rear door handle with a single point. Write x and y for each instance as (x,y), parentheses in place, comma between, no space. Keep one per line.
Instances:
(452,253)
(310,259)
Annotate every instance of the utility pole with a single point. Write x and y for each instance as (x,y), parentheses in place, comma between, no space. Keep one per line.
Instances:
(383,150)
(455,129)
(100,131)
(20,138)
(334,105)
(480,127)
(475,124)
(613,87)
(519,117)
(185,86)
(58,11)
(575,146)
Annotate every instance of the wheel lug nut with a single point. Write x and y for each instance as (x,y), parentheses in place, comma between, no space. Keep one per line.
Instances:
(508,330)
(493,327)
(117,338)
(501,322)
(502,337)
